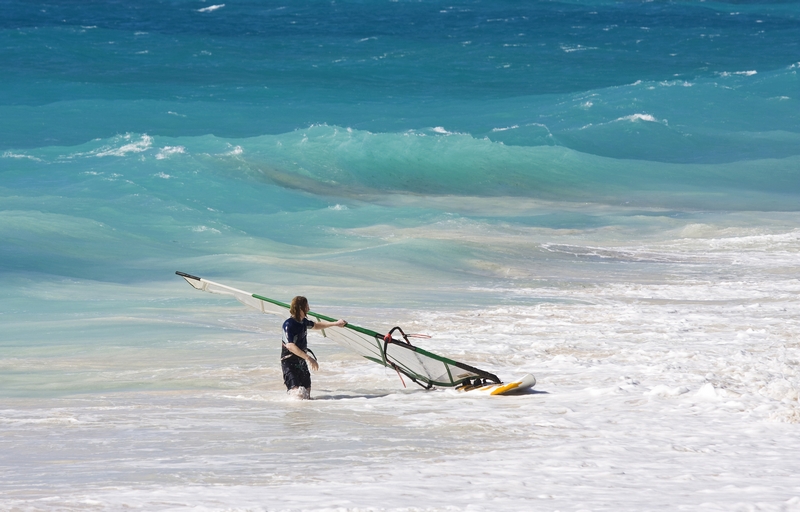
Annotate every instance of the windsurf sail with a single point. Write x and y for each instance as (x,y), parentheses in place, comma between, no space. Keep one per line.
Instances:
(423,367)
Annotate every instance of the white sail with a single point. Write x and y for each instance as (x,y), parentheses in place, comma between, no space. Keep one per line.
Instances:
(419,365)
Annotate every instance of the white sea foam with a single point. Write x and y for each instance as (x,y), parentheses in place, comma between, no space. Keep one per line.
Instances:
(10,154)
(576,48)
(139,146)
(168,151)
(742,73)
(203,229)
(633,118)
(674,83)
(211,8)
(639,117)
(651,382)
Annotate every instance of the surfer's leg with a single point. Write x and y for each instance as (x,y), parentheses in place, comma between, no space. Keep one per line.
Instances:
(297,379)
(289,378)
(300,393)
(305,380)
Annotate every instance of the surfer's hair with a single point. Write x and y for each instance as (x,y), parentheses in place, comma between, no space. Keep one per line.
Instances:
(299,306)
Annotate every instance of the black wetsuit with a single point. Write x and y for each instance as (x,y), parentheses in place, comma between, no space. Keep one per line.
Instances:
(295,368)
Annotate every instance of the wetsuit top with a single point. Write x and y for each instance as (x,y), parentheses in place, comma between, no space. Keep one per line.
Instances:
(295,332)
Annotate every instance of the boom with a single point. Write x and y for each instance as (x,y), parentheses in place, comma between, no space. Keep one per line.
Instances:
(425,368)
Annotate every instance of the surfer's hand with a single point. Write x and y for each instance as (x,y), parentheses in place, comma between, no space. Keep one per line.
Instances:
(313,363)
(341,323)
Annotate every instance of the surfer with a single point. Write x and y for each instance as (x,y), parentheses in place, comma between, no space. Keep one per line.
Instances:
(295,355)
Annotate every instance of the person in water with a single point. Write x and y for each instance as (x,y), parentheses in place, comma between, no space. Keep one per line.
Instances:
(295,355)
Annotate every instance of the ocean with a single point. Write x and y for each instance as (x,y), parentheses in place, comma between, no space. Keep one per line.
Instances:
(604,194)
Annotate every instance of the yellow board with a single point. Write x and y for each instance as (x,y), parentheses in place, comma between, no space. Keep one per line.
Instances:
(526,382)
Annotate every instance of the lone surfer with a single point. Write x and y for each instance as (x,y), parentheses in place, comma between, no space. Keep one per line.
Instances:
(295,355)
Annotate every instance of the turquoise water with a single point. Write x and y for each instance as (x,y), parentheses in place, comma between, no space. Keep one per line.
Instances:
(379,153)
(137,132)
(577,189)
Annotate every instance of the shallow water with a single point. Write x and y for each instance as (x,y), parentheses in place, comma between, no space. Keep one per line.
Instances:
(604,195)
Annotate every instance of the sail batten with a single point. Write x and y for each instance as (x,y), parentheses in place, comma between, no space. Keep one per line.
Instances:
(423,367)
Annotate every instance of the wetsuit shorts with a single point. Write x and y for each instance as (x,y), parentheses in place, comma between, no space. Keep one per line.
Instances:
(295,373)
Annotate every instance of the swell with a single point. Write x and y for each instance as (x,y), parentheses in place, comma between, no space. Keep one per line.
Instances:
(459,164)
(739,115)
(343,162)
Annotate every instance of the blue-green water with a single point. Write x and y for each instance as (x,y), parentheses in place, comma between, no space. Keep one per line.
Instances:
(398,152)
(595,166)
(135,134)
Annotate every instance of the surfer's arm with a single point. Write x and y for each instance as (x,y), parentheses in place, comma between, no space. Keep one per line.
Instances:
(294,349)
(321,324)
